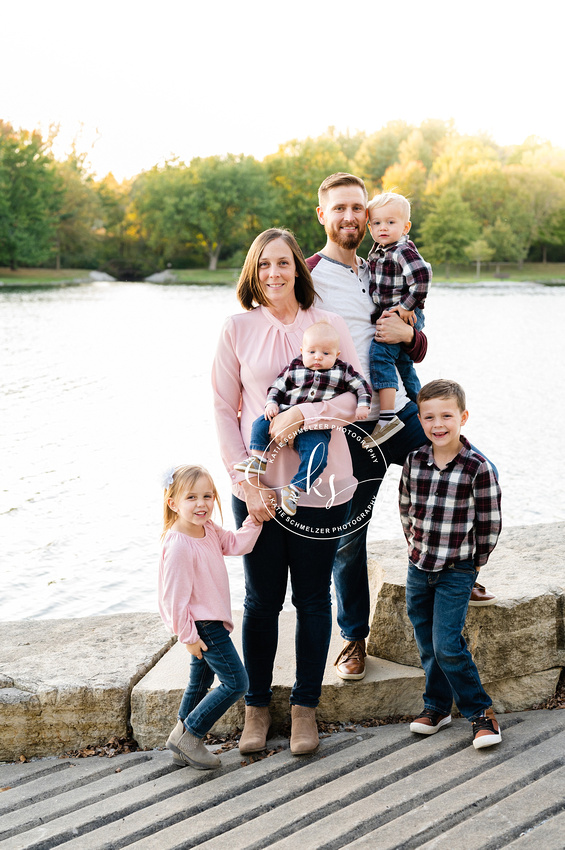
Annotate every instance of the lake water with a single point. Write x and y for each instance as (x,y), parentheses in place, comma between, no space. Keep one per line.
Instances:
(106,385)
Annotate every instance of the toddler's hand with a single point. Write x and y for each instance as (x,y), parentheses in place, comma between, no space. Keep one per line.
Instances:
(361,413)
(406,315)
(271,410)
(196,648)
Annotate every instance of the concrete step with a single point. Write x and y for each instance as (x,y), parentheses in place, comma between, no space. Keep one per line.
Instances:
(371,787)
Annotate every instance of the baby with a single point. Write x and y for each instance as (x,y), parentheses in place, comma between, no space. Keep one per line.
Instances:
(317,375)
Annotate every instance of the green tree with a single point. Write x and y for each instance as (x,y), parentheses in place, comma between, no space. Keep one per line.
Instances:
(217,203)
(80,213)
(295,173)
(30,193)
(539,196)
(479,251)
(379,151)
(448,228)
(505,242)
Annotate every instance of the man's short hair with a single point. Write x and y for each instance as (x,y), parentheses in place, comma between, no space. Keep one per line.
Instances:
(390,198)
(443,388)
(340,178)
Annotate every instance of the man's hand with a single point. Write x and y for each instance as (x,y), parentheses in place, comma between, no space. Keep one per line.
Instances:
(391,329)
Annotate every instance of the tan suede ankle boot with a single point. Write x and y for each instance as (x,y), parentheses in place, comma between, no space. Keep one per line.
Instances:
(254,735)
(304,732)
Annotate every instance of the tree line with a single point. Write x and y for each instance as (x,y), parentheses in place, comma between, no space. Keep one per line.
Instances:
(472,200)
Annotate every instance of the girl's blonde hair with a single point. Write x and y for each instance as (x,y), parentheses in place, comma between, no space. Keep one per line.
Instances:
(184,479)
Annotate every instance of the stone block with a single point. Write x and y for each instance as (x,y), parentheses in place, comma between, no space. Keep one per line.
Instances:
(522,634)
(387,689)
(65,684)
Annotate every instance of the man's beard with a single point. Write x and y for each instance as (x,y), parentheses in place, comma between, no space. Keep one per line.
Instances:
(349,241)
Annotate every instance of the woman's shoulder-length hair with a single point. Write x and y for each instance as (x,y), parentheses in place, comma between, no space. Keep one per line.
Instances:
(249,289)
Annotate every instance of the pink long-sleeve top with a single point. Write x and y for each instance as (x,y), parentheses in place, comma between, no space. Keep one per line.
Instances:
(193,581)
(253,349)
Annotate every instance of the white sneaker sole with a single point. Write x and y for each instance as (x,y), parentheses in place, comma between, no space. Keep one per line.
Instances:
(422,729)
(487,741)
(351,676)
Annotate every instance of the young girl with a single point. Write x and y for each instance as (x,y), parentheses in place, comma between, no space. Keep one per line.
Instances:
(194,602)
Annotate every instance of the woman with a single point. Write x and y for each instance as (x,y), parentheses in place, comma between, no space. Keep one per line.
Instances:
(254,346)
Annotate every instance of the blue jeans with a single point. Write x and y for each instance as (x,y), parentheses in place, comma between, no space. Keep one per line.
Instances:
(200,708)
(437,606)
(283,548)
(369,467)
(384,357)
(312,448)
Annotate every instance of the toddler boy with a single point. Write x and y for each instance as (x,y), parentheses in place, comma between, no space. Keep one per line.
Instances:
(450,512)
(317,375)
(399,282)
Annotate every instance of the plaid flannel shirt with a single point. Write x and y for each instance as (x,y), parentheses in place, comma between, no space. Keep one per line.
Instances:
(398,276)
(296,384)
(450,514)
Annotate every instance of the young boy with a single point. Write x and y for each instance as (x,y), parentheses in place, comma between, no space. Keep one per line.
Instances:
(450,512)
(399,282)
(317,375)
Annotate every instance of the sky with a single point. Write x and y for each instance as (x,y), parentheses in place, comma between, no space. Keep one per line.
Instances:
(137,83)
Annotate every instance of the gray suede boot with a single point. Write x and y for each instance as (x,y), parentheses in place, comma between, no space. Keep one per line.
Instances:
(190,750)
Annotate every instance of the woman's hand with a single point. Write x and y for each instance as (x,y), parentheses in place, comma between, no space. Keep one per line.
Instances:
(285,425)
(197,648)
(261,501)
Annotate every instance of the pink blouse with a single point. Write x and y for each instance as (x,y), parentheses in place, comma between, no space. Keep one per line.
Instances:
(193,581)
(253,348)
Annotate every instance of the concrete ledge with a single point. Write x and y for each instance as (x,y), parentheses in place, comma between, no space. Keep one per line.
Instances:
(67,683)
(523,634)
(387,689)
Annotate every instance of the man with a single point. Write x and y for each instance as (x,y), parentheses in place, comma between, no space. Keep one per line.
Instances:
(341,279)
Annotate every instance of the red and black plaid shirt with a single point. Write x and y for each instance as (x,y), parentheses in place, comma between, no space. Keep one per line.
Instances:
(296,384)
(450,514)
(398,275)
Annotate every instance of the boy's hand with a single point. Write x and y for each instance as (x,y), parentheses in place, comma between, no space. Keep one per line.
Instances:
(196,648)
(271,410)
(361,413)
(406,315)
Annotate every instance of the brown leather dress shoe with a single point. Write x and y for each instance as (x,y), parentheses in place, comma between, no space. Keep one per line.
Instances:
(350,663)
(481,597)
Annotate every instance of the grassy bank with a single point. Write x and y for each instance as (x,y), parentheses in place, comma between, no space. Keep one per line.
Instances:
(38,277)
(536,272)
(549,273)
(222,276)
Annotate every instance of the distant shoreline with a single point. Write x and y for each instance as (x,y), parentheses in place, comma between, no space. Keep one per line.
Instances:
(549,274)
